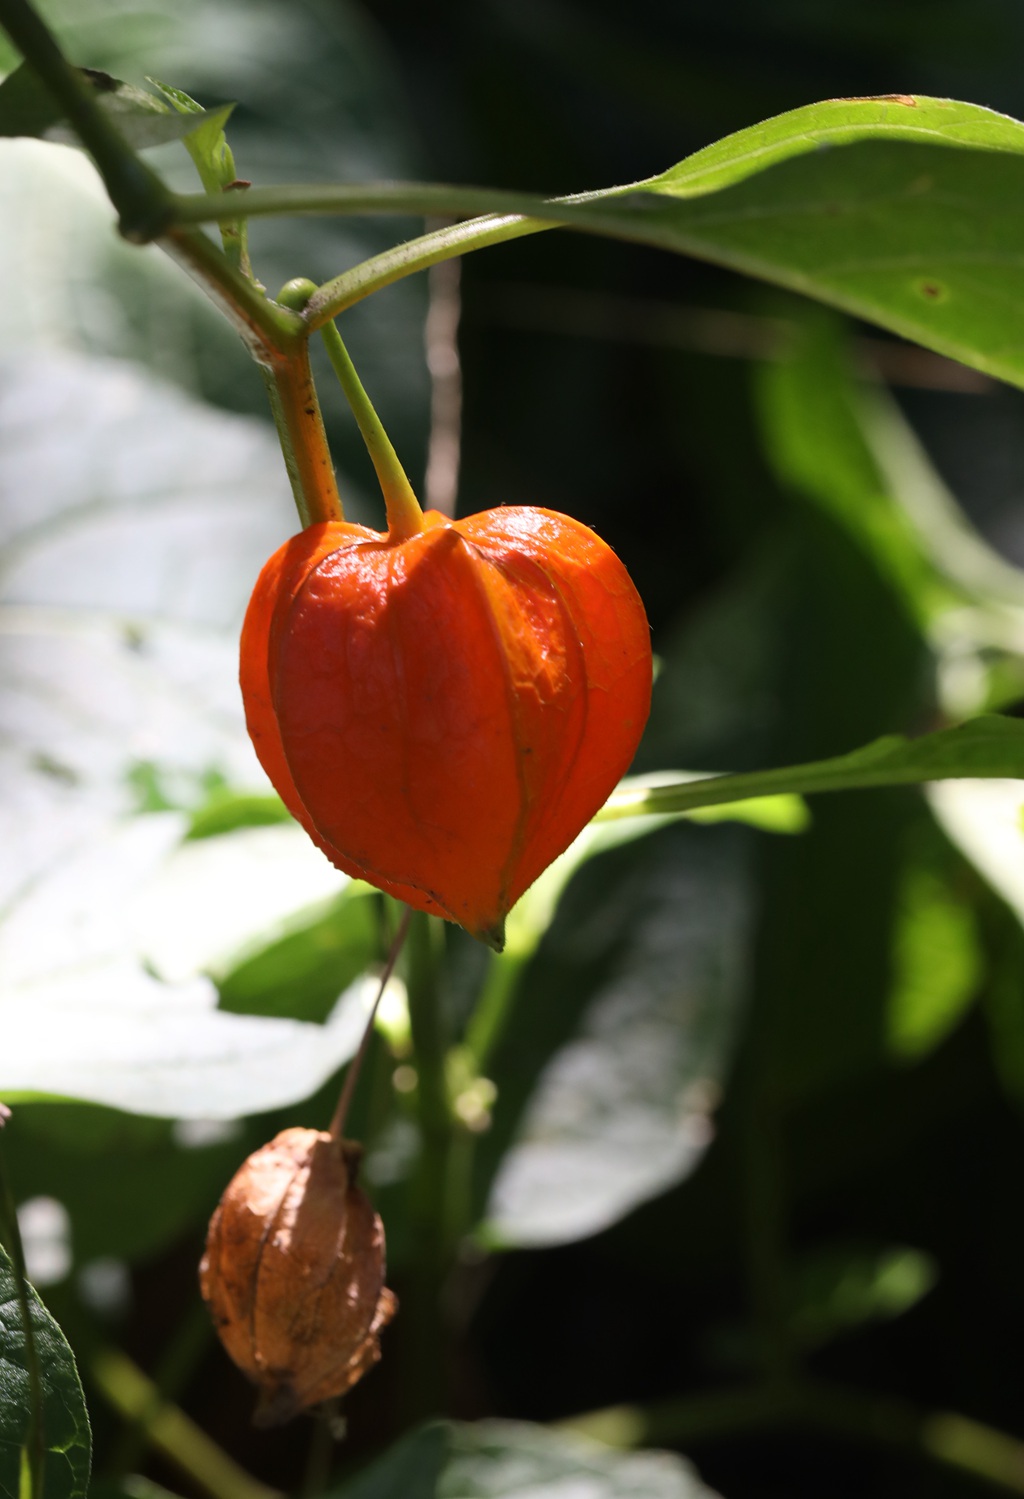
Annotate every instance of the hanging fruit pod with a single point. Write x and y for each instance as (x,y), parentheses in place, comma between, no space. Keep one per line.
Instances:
(293,1273)
(444,712)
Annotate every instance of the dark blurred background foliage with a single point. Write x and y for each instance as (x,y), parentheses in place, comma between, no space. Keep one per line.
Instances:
(859,1206)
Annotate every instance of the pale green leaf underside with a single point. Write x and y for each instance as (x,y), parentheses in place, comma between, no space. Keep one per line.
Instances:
(621,1111)
(513,1460)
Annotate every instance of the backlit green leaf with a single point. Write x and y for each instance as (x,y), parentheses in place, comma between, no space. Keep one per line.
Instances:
(989,746)
(937,963)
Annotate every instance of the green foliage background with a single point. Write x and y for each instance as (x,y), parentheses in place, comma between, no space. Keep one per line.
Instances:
(749,1184)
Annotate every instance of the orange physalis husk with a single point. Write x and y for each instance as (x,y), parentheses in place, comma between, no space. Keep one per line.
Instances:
(445,712)
(293,1273)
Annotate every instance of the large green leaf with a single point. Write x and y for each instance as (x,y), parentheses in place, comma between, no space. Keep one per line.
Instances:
(65,1422)
(863,204)
(816,419)
(168,1175)
(845,447)
(105,993)
(512,1460)
(620,1037)
(904,210)
(126,556)
(88,291)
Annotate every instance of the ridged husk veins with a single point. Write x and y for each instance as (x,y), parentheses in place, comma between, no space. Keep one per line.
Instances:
(293,1273)
(444,713)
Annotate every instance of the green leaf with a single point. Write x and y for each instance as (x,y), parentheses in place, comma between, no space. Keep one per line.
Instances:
(837,1289)
(204,137)
(901,210)
(106,996)
(970,565)
(815,128)
(28,109)
(301,973)
(772,814)
(814,418)
(845,447)
(904,211)
(906,214)
(227,809)
(989,746)
(510,1460)
(832,1290)
(937,963)
(214,160)
(620,1038)
(65,1421)
(168,1175)
(155,506)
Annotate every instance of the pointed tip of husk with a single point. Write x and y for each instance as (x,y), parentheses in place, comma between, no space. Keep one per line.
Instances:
(493,936)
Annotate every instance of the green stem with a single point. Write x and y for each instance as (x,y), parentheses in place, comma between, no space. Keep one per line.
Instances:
(277,339)
(429,1195)
(267,329)
(418,254)
(35,1436)
(144,204)
(945,1437)
(337,1126)
(405,518)
(427,199)
(320,1454)
(171,1432)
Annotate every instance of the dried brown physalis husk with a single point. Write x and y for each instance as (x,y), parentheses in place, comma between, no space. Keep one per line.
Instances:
(293,1273)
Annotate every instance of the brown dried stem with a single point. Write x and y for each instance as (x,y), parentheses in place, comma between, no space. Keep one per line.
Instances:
(337,1128)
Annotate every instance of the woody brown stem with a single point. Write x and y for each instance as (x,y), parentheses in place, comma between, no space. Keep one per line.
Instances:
(300,428)
(337,1129)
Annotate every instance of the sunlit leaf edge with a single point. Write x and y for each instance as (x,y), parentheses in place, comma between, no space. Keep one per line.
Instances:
(983,748)
(839,122)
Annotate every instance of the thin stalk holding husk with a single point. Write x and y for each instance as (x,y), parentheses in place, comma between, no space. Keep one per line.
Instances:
(405,518)
(337,1128)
